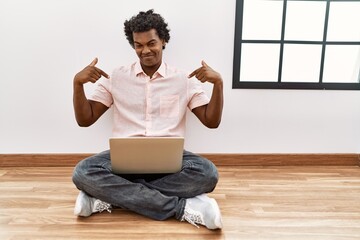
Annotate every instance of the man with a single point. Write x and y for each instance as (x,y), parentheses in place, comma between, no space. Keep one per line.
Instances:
(149,98)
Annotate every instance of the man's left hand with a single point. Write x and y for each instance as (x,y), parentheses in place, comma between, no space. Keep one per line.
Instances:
(206,74)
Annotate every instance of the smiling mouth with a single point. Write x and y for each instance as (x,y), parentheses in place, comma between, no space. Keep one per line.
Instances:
(147,56)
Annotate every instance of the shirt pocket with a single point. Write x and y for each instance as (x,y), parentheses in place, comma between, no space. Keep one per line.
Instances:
(169,106)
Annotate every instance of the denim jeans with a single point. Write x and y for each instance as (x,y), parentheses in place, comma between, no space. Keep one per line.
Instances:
(156,196)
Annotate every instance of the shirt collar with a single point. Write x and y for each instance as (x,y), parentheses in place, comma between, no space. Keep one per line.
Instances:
(161,71)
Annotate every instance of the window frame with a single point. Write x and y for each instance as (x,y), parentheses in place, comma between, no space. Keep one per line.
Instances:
(238,41)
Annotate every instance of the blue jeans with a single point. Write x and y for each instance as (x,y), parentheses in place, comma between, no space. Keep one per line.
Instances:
(156,196)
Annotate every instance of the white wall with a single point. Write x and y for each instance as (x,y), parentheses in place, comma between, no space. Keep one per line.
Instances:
(44,43)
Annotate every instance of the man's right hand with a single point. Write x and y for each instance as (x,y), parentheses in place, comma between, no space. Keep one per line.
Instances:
(90,73)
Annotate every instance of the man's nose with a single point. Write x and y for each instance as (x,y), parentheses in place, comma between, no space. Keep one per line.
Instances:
(146,50)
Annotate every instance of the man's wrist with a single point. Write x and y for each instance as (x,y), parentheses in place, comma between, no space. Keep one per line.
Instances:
(78,84)
(219,82)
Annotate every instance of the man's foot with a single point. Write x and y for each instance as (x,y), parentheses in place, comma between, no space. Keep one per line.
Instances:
(86,205)
(202,210)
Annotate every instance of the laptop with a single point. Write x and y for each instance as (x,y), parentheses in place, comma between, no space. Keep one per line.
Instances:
(146,155)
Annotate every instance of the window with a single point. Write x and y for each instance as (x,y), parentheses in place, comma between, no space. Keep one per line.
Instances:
(297,44)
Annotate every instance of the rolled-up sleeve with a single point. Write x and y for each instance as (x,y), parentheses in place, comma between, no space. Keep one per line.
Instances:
(196,94)
(102,92)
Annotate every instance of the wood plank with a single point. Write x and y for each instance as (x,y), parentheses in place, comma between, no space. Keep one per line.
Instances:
(286,202)
(351,159)
(41,160)
(220,159)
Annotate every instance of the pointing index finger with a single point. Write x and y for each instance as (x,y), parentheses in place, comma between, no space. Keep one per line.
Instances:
(194,72)
(102,72)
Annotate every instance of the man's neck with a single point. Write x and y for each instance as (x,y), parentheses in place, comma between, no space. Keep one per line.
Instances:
(150,70)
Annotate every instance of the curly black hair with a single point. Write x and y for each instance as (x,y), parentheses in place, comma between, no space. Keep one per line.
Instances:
(145,21)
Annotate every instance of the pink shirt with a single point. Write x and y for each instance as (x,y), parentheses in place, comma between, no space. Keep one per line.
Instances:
(149,107)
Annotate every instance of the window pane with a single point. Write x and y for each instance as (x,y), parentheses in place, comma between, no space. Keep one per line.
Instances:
(344,21)
(259,62)
(262,19)
(342,64)
(301,63)
(305,20)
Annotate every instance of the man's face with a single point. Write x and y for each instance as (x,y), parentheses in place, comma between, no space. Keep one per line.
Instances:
(148,47)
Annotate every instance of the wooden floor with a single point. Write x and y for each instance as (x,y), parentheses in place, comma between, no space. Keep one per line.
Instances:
(256,202)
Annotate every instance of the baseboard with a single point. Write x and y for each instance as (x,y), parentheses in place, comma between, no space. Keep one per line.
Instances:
(219,159)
